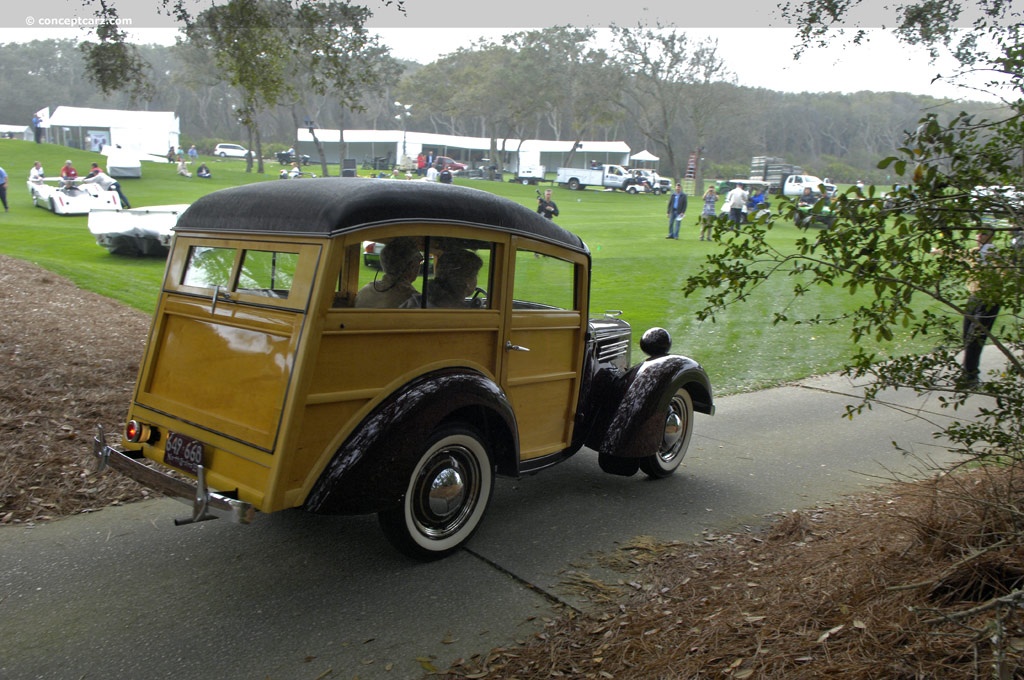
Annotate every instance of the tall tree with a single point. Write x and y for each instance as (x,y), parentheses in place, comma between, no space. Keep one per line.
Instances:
(574,85)
(114,64)
(243,37)
(275,53)
(660,64)
(910,255)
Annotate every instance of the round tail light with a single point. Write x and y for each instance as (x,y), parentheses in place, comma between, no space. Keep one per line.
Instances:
(136,432)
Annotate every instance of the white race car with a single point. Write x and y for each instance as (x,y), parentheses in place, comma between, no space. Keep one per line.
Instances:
(77,199)
(135,231)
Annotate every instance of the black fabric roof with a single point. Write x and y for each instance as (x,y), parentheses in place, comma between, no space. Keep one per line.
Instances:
(336,205)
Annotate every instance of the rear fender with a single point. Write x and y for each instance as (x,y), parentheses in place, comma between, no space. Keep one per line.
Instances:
(638,425)
(371,469)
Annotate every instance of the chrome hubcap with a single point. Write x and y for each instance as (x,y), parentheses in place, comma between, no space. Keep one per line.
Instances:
(446,492)
(674,430)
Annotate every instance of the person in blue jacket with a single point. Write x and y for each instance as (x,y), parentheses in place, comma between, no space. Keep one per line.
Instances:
(676,208)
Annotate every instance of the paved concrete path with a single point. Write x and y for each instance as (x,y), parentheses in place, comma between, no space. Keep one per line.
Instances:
(124,594)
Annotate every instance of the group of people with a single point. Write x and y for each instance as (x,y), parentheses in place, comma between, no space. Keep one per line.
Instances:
(69,178)
(202,171)
(293,172)
(428,166)
(738,201)
(455,278)
(677,204)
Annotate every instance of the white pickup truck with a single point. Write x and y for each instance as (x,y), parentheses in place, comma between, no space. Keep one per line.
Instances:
(608,176)
(794,185)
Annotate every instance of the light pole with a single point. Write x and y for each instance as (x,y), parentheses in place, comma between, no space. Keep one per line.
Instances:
(403,114)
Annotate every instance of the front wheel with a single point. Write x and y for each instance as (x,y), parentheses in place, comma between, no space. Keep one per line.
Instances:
(574,184)
(446,497)
(675,438)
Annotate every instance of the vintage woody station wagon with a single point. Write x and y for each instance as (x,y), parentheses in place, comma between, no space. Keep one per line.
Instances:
(266,383)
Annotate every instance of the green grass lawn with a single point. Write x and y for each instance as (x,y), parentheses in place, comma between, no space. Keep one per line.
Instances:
(636,269)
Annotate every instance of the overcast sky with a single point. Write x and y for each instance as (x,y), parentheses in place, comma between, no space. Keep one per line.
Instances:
(754,42)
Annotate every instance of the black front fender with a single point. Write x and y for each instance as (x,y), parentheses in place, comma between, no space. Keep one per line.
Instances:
(639,422)
(371,469)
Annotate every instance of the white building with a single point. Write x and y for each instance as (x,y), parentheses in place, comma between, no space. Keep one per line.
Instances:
(389,147)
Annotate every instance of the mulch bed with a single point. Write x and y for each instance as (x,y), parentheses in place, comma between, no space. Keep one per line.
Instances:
(69,361)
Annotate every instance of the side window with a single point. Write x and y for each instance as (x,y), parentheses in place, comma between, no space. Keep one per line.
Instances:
(266,272)
(281,272)
(423,272)
(543,282)
(207,267)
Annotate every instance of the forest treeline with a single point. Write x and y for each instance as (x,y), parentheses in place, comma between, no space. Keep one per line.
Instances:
(841,136)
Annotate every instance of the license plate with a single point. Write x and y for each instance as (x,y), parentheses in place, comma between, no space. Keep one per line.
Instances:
(183,452)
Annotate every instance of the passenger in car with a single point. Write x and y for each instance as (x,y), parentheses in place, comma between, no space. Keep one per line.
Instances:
(400,261)
(456,279)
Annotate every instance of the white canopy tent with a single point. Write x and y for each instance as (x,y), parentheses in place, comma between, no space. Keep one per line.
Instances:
(23,132)
(141,132)
(644,156)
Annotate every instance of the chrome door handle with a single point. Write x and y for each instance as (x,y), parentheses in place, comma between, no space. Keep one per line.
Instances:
(509,347)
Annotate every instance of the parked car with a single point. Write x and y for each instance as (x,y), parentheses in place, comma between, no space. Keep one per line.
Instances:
(447,163)
(265,385)
(288,157)
(230,151)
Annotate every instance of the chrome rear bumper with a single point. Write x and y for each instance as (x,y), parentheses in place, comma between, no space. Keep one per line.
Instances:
(206,504)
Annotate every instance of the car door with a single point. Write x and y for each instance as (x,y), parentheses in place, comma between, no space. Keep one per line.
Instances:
(544,340)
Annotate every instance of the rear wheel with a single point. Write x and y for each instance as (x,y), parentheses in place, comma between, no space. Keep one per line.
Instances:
(446,496)
(574,184)
(675,438)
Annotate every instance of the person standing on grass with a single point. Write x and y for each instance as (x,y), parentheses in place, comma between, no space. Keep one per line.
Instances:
(736,200)
(547,207)
(3,188)
(708,213)
(676,208)
(980,313)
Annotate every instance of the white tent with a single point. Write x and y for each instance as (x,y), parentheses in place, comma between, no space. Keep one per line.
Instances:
(644,156)
(92,129)
(23,132)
